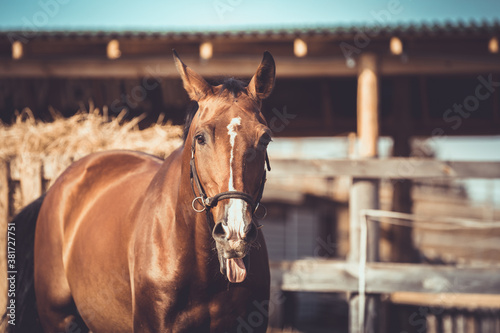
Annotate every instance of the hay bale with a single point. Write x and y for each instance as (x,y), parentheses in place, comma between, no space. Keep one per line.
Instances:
(84,133)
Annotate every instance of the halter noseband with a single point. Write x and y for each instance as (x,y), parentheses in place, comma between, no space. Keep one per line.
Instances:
(209,202)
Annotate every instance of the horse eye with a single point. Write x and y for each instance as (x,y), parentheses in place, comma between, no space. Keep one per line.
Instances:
(265,139)
(200,139)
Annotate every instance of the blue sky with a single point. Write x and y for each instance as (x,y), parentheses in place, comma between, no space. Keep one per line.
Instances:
(233,14)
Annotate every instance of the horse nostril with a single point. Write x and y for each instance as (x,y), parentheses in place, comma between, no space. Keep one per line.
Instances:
(219,232)
(252,232)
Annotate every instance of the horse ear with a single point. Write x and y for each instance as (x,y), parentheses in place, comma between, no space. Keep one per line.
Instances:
(262,82)
(194,83)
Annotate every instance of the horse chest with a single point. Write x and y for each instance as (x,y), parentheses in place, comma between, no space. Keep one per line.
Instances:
(224,310)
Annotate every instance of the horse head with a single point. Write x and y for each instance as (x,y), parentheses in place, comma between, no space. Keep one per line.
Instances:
(228,138)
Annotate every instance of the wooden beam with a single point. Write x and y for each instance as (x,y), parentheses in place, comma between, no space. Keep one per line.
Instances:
(363,310)
(391,168)
(364,193)
(434,64)
(367,106)
(17,50)
(243,66)
(386,278)
(30,176)
(401,240)
(465,301)
(164,67)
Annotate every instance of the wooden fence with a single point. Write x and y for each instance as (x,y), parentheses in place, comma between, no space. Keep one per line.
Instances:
(361,276)
(25,178)
(22,180)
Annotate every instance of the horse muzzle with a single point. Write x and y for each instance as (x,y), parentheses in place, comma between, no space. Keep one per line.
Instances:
(233,250)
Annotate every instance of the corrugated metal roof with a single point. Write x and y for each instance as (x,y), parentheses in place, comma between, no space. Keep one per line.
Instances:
(445,29)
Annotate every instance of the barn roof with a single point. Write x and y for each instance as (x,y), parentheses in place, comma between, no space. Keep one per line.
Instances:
(407,30)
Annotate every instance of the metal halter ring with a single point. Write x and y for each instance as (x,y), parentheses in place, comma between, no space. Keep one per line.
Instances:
(199,200)
(263,215)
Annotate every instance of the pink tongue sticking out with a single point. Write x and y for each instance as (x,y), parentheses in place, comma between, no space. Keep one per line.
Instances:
(235,270)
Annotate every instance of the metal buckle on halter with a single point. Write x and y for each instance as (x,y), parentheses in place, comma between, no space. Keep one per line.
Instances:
(200,201)
(263,215)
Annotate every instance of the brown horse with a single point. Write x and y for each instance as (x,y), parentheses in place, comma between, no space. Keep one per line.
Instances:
(126,242)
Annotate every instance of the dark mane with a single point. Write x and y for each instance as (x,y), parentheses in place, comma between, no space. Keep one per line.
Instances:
(190,112)
(231,85)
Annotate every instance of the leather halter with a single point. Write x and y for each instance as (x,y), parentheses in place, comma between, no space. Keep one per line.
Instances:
(209,202)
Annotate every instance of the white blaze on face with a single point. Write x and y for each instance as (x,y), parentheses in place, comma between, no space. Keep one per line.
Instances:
(235,207)
(231,131)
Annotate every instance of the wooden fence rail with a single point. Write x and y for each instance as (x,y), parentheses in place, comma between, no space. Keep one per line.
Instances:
(386,278)
(24,178)
(32,173)
(390,168)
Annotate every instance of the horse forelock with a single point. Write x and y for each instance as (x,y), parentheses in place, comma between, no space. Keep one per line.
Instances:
(230,86)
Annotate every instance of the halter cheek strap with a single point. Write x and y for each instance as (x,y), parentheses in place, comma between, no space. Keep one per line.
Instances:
(208,202)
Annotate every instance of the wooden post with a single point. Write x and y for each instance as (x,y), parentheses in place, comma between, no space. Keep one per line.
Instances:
(31,178)
(402,249)
(367,106)
(326,105)
(364,192)
(4,216)
(400,237)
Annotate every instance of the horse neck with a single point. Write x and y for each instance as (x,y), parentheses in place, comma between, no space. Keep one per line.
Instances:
(170,239)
